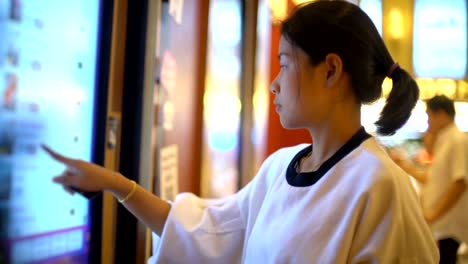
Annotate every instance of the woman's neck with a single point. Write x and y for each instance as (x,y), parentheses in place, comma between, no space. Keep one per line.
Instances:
(329,138)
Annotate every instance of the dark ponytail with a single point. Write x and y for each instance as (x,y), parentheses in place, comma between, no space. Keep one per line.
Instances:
(323,27)
(400,102)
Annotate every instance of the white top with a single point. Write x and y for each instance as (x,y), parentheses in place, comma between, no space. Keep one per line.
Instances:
(363,210)
(450,163)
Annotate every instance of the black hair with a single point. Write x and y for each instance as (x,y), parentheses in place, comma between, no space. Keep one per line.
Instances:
(323,27)
(441,103)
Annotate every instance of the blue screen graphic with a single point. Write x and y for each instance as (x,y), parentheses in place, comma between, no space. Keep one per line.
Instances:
(48,57)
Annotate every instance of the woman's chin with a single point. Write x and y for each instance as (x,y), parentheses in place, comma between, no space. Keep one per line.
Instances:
(287,124)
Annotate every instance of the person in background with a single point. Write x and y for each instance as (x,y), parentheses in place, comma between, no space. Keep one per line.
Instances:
(340,200)
(444,196)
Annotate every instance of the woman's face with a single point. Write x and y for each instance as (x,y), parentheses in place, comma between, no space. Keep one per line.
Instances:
(302,99)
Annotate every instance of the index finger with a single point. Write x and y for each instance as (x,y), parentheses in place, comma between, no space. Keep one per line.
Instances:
(57,156)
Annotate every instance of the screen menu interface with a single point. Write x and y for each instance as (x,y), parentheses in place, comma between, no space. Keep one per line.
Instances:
(48,53)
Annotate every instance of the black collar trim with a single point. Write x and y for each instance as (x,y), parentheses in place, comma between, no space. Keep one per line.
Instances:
(304,179)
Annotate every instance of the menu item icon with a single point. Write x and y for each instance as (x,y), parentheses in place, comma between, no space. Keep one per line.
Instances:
(13,56)
(9,94)
(6,171)
(6,142)
(16,10)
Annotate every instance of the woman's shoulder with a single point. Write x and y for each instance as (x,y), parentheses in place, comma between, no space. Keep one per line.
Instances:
(368,155)
(373,164)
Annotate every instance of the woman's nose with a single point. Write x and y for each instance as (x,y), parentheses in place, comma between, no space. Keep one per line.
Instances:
(274,87)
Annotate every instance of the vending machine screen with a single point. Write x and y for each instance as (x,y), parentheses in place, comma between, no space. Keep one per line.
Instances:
(48,60)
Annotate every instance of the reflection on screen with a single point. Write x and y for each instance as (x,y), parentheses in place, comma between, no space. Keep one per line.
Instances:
(47,79)
(440,33)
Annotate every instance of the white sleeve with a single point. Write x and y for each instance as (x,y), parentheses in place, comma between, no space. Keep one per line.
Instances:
(201,231)
(209,231)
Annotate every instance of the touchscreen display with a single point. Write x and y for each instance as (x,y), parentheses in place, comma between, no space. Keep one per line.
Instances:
(48,57)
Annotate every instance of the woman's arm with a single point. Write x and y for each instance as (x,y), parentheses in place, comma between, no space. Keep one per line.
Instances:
(147,207)
(85,176)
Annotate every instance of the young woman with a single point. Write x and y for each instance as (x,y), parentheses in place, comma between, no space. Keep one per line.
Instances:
(340,200)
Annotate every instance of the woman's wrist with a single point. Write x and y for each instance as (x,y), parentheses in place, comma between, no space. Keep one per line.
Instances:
(120,186)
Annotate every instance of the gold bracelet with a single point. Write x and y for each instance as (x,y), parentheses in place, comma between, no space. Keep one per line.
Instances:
(130,194)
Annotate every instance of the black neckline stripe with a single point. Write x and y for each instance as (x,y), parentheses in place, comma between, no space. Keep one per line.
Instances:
(304,179)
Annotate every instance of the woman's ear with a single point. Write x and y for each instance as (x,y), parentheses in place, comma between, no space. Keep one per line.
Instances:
(334,69)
